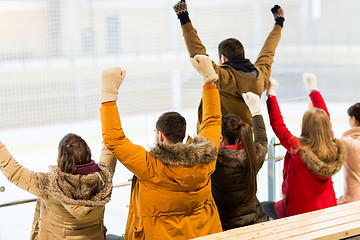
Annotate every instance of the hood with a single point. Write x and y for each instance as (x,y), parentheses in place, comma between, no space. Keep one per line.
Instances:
(243,66)
(237,157)
(201,150)
(324,167)
(77,191)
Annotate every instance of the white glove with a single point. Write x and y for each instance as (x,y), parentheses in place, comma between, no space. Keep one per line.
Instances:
(111,81)
(253,102)
(203,65)
(273,85)
(310,81)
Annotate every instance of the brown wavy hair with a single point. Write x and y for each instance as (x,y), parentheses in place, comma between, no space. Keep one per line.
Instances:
(235,131)
(73,151)
(316,135)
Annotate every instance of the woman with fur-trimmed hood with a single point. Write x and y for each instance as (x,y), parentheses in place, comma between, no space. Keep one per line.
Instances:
(311,159)
(351,139)
(171,188)
(72,196)
(234,182)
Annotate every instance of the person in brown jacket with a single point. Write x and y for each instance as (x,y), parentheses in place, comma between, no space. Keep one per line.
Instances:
(171,188)
(351,140)
(72,196)
(237,75)
(239,160)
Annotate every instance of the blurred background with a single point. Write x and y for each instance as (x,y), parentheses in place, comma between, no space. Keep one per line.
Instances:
(52,53)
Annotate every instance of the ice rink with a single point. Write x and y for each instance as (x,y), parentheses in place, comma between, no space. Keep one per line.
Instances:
(36,148)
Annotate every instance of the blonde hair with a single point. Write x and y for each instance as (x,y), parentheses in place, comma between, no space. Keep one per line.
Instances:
(316,135)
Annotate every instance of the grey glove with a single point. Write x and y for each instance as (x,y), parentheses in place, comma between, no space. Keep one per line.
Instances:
(203,65)
(278,13)
(253,102)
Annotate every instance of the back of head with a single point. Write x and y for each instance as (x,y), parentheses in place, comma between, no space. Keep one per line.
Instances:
(235,132)
(316,134)
(73,151)
(354,111)
(232,49)
(173,126)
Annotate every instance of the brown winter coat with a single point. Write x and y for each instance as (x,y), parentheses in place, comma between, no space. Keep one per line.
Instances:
(171,190)
(61,213)
(229,183)
(351,140)
(232,84)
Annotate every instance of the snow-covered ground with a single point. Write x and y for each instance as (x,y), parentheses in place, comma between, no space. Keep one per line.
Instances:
(36,148)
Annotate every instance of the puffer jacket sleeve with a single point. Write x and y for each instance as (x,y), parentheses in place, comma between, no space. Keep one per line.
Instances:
(285,137)
(265,58)
(108,158)
(260,138)
(36,221)
(15,173)
(318,102)
(135,158)
(210,127)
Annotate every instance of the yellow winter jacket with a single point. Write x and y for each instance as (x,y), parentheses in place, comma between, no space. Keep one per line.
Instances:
(171,189)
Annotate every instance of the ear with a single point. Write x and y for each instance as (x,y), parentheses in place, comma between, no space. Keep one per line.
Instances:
(162,137)
(223,59)
(223,141)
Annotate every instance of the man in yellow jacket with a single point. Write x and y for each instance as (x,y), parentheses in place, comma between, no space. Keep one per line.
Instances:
(171,188)
(237,75)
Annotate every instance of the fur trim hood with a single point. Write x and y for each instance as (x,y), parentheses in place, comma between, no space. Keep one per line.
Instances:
(322,167)
(201,150)
(90,190)
(237,158)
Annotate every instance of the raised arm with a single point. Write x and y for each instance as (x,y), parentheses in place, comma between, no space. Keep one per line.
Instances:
(210,126)
(108,158)
(317,100)
(15,173)
(134,157)
(276,120)
(252,100)
(192,40)
(265,58)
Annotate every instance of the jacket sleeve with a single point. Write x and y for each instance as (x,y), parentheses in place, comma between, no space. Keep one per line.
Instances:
(210,127)
(265,58)
(196,47)
(277,123)
(318,102)
(15,173)
(108,158)
(135,158)
(36,221)
(260,138)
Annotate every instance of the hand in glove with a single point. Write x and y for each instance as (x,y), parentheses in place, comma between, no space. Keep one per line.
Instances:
(273,85)
(253,102)
(278,13)
(310,81)
(203,65)
(111,81)
(181,11)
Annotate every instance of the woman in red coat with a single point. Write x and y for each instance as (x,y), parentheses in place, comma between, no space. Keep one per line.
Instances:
(311,159)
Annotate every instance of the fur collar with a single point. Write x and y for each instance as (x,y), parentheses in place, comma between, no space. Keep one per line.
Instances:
(89,190)
(353,132)
(322,167)
(201,150)
(237,157)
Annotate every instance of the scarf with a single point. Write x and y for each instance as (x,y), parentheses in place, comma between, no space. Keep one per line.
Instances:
(233,147)
(87,168)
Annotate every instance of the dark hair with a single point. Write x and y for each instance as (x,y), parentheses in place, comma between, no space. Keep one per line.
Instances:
(354,111)
(232,49)
(172,125)
(73,151)
(235,131)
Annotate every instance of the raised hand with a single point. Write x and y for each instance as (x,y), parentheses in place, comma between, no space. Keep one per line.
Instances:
(203,65)
(111,81)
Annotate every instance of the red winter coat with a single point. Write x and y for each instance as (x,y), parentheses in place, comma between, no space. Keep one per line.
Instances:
(307,184)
